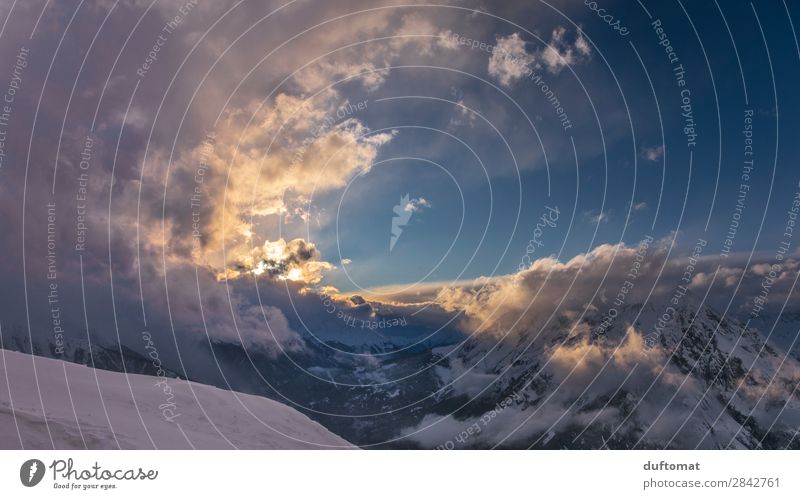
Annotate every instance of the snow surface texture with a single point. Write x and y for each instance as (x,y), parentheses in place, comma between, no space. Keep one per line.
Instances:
(47,403)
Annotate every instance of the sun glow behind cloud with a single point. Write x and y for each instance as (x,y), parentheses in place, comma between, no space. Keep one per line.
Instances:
(295,260)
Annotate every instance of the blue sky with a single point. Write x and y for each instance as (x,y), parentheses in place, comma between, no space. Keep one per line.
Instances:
(621,157)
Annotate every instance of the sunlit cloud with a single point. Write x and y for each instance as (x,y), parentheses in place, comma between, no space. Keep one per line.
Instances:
(296,261)
(510,59)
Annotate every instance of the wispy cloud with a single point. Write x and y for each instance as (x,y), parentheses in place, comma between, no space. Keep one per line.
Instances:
(510,60)
(653,153)
(596,217)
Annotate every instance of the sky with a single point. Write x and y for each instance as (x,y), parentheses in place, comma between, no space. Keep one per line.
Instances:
(206,166)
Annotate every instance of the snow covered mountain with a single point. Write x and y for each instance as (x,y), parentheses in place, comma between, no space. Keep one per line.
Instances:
(696,380)
(783,331)
(47,403)
(97,353)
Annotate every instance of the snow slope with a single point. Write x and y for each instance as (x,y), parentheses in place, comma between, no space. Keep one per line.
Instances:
(97,409)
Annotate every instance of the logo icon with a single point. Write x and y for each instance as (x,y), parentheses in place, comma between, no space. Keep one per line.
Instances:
(31,472)
(400,220)
(403,211)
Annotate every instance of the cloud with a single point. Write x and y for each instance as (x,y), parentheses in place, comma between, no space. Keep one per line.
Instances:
(653,153)
(462,115)
(369,63)
(415,205)
(511,61)
(296,260)
(262,327)
(560,52)
(291,150)
(418,32)
(543,319)
(192,196)
(598,217)
(589,283)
